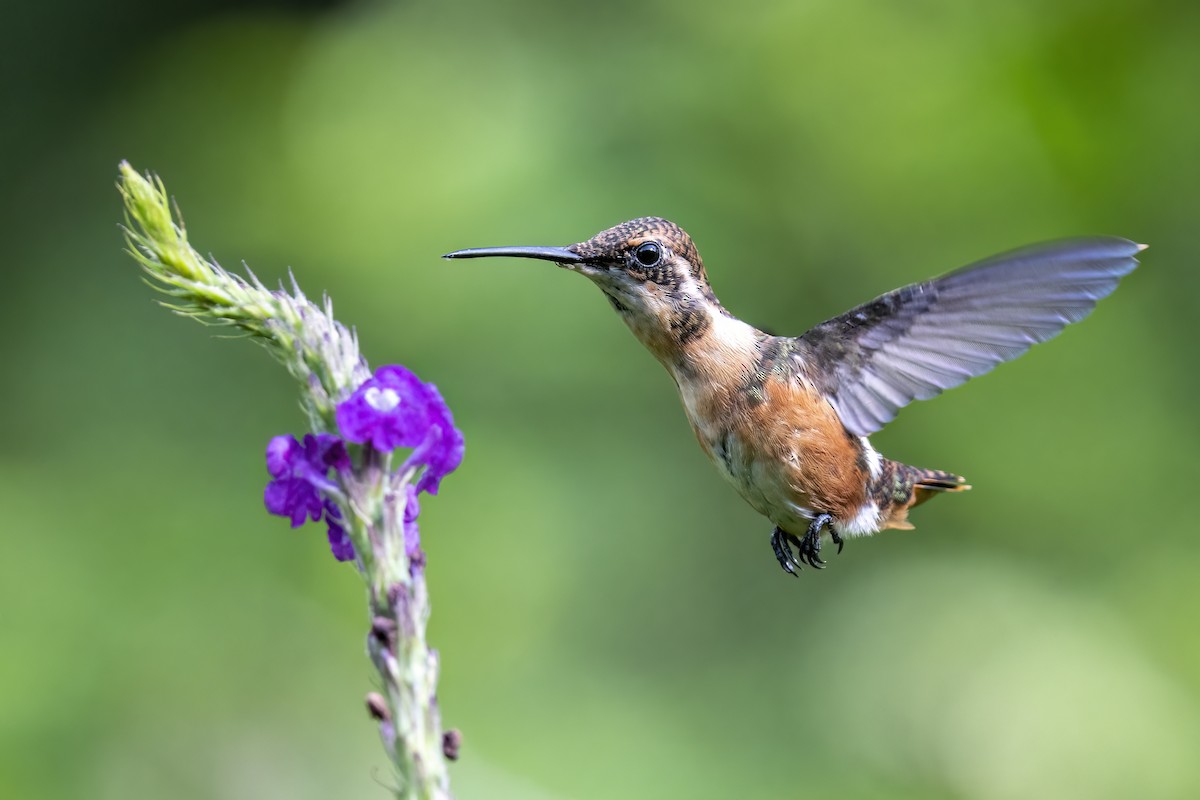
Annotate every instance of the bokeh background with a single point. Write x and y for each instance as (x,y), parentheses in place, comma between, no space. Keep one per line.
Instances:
(610,617)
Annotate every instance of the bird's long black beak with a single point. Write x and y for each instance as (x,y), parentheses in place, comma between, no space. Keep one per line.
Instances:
(560,254)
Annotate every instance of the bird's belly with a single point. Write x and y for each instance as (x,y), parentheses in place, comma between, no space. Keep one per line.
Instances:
(789,457)
(764,481)
(782,447)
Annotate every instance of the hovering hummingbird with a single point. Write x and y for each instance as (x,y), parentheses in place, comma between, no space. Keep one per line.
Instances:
(786,419)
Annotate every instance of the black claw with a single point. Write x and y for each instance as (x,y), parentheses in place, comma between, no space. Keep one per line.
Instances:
(837,539)
(794,541)
(784,553)
(809,549)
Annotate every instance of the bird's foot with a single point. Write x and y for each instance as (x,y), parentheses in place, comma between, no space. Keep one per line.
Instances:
(808,548)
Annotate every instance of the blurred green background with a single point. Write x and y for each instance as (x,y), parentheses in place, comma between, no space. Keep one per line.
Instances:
(610,617)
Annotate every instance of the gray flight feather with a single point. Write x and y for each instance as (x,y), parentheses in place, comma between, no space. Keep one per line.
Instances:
(922,339)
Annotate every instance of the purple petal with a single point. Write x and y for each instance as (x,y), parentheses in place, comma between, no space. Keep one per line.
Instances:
(441,453)
(444,461)
(324,450)
(294,498)
(315,476)
(361,422)
(412,505)
(281,452)
(448,454)
(275,497)
(412,533)
(399,377)
(339,542)
(412,540)
(389,410)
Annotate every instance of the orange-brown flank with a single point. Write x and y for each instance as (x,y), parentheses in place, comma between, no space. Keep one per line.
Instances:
(797,430)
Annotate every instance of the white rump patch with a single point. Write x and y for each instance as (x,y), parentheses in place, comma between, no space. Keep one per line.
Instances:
(865,522)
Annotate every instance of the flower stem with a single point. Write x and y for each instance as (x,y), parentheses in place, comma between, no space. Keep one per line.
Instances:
(323,355)
(408,667)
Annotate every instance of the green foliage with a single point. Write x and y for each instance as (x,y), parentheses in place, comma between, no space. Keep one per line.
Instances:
(609,616)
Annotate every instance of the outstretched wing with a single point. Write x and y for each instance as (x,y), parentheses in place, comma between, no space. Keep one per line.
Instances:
(915,342)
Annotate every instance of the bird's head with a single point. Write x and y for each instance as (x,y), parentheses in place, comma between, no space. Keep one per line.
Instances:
(649,270)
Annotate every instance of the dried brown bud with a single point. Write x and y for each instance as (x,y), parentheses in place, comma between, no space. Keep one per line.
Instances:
(383,629)
(377,707)
(451,742)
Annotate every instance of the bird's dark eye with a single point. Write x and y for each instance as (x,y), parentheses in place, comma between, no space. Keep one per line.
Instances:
(648,254)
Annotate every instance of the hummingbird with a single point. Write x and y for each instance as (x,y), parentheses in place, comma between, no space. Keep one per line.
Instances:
(787,419)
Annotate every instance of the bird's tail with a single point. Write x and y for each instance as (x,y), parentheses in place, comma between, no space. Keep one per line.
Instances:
(928,482)
(911,486)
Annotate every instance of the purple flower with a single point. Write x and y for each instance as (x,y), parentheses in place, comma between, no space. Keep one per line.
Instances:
(339,540)
(300,473)
(394,409)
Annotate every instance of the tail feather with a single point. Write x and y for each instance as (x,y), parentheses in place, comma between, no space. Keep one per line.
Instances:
(902,487)
(928,482)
